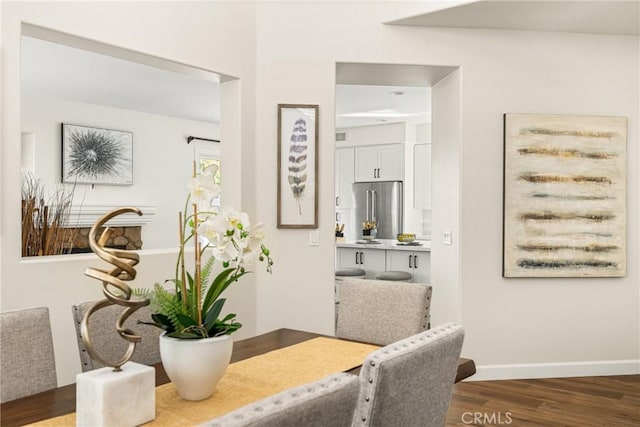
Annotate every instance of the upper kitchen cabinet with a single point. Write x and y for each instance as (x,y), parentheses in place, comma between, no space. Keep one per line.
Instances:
(344,177)
(379,163)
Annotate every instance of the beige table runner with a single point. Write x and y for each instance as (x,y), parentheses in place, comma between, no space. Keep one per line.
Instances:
(252,379)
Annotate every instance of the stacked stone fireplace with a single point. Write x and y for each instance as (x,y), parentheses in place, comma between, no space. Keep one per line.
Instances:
(126,229)
(129,238)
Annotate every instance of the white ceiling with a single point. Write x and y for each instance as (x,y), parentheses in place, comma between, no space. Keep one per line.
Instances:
(59,71)
(592,16)
(361,105)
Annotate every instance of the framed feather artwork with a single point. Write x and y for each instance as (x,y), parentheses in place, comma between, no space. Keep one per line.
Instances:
(564,196)
(297,166)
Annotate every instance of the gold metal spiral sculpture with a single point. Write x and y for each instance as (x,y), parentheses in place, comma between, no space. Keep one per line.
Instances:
(114,288)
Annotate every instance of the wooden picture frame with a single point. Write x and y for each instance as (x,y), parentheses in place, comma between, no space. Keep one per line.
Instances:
(564,212)
(297,166)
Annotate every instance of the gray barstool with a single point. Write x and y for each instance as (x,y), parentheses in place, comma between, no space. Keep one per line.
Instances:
(395,276)
(350,273)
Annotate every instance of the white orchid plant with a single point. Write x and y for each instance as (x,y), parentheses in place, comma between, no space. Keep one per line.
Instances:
(192,309)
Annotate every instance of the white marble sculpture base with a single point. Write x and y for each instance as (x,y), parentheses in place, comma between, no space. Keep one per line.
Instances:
(108,398)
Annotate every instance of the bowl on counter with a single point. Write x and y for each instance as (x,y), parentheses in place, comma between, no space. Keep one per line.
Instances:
(406,237)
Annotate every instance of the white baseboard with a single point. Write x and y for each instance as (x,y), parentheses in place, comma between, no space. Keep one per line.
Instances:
(556,370)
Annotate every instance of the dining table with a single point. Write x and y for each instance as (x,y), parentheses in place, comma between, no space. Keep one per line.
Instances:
(62,400)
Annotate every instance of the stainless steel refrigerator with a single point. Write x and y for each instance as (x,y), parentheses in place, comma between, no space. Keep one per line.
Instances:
(381,202)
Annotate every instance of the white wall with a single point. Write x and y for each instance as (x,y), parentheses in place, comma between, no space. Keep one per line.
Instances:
(161,158)
(508,321)
(215,36)
(445,199)
(286,53)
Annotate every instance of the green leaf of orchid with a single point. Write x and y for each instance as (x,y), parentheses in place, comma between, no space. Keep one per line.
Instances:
(215,289)
(212,315)
(184,335)
(185,320)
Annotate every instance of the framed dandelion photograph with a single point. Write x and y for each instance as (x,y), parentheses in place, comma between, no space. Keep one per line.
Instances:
(297,166)
(93,155)
(564,196)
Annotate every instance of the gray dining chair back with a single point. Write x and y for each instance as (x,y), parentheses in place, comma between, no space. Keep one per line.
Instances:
(106,340)
(27,363)
(409,383)
(382,312)
(327,402)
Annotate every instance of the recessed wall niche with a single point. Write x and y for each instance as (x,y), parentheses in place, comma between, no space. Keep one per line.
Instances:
(67,79)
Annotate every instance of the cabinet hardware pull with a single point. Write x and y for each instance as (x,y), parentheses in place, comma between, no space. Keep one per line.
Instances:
(337,201)
(356,257)
(410,256)
(378,172)
(361,258)
(415,261)
(337,216)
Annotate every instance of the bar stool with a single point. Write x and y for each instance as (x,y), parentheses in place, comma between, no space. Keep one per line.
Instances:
(395,276)
(350,273)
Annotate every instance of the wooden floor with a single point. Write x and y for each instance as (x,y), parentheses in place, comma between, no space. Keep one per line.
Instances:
(582,402)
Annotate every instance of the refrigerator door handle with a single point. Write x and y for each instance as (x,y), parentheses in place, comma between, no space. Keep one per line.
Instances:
(368,205)
(373,205)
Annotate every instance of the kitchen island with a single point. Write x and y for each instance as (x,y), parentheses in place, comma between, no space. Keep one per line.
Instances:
(386,255)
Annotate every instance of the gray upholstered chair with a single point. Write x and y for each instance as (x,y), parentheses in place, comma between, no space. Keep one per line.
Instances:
(106,340)
(409,383)
(27,364)
(327,402)
(381,312)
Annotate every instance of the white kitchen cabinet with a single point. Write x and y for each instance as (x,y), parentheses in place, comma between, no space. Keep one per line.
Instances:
(417,263)
(372,261)
(422,176)
(345,163)
(379,163)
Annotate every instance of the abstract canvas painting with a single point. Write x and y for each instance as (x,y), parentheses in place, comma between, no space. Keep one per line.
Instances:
(564,196)
(93,155)
(297,166)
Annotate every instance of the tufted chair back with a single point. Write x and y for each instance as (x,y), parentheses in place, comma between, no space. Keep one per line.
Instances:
(327,402)
(107,341)
(409,383)
(382,312)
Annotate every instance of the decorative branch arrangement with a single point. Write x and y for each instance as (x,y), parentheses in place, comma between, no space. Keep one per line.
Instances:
(43,221)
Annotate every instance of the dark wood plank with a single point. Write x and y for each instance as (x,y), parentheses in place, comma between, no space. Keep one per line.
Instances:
(612,401)
(466,368)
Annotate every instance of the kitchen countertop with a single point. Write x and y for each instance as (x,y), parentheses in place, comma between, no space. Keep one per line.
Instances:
(386,244)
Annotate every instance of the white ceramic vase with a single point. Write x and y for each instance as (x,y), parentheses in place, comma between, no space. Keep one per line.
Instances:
(195,366)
